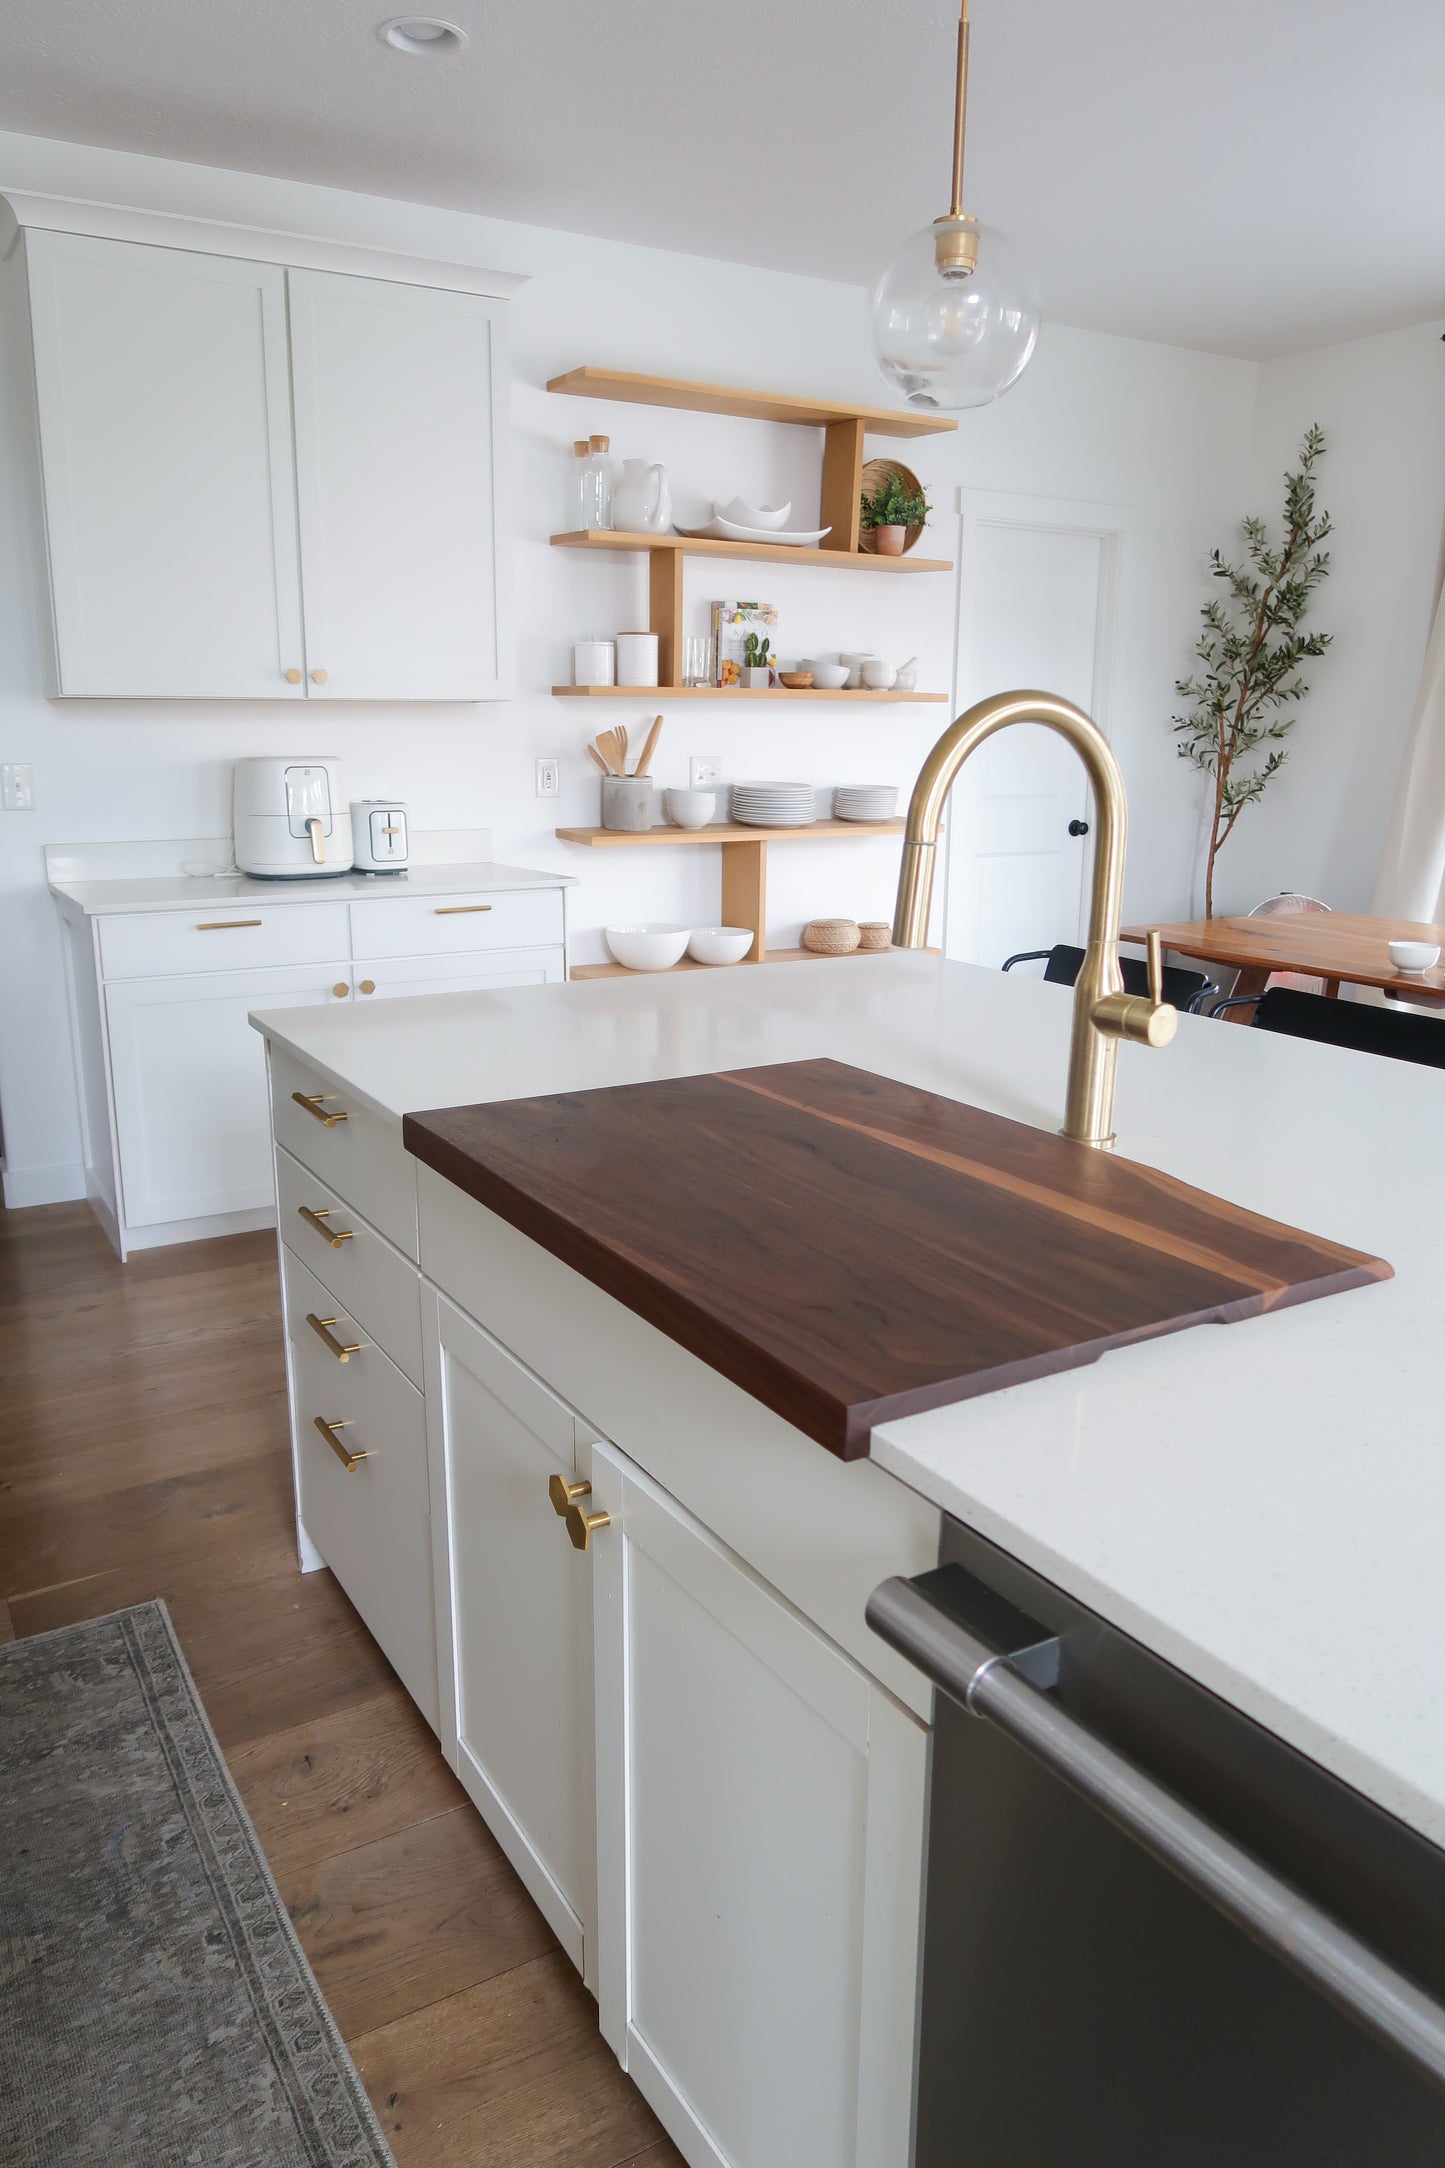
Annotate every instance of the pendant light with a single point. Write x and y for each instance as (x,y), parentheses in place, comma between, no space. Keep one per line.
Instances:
(956,314)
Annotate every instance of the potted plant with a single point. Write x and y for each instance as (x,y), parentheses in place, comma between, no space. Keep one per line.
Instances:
(756,672)
(894,507)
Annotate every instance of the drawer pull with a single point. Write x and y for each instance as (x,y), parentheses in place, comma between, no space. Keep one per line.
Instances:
(564,1494)
(367,986)
(458,910)
(313,1105)
(347,1458)
(224,925)
(343,1350)
(582,1527)
(334,1235)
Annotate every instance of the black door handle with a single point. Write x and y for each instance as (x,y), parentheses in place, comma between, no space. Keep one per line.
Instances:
(1078,828)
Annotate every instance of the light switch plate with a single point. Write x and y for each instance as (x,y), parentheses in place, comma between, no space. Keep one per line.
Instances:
(702,773)
(17,787)
(548,782)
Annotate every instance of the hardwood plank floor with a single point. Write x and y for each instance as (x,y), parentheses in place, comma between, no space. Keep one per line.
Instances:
(143,1453)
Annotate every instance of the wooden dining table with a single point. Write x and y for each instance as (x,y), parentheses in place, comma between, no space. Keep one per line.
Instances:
(1337,946)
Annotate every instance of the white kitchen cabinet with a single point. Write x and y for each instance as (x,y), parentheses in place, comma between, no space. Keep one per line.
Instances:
(395,392)
(760,1816)
(163,395)
(516,1617)
(383,977)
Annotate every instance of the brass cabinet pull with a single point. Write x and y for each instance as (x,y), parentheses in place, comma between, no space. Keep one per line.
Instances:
(293,677)
(343,1350)
(313,1105)
(563,1494)
(341,989)
(458,910)
(318,677)
(367,986)
(582,1527)
(223,925)
(334,1235)
(347,1458)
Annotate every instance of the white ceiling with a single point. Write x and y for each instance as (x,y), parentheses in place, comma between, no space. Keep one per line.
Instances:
(1248,176)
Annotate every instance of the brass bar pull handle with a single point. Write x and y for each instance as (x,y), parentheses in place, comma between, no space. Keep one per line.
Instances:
(334,1235)
(313,1105)
(224,925)
(564,1494)
(458,910)
(347,1458)
(1154,945)
(582,1527)
(343,1350)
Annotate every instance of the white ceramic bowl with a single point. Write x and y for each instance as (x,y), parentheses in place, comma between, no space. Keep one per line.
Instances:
(743,514)
(648,947)
(719,944)
(879,676)
(831,676)
(689,808)
(1413,955)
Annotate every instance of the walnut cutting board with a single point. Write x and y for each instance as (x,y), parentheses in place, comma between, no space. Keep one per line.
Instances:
(849,1249)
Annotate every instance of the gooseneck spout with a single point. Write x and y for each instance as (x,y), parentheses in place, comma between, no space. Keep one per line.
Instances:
(1103,1013)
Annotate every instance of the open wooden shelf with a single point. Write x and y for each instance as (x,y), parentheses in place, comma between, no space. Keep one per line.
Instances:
(756,406)
(773,553)
(646,693)
(773,956)
(727,832)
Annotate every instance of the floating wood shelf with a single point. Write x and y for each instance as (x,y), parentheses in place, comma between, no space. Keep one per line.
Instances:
(774,956)
(754,406)
(646,693)
(727,832)
(773,553)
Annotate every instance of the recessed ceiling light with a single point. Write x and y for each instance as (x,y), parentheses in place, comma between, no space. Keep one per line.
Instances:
(422,34)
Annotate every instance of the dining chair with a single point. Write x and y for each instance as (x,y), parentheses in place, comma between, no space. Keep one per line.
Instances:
(1183,989)
(1289,905)
(1354,1024)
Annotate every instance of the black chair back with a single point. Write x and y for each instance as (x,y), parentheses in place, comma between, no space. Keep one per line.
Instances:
(1352,1023)
(1181,988)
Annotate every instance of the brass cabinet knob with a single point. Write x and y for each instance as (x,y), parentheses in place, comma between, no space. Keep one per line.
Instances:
(341,989)
(318,677)
(293,677)
(367,986)
(581,1527)
(563,1494)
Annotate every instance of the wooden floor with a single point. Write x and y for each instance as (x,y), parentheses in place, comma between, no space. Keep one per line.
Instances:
(143,1453)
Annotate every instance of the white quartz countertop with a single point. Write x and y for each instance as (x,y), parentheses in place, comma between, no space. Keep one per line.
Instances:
(177,892)
(1261,1503)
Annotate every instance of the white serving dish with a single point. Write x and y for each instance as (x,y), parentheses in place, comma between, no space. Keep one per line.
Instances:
(646,947)
(768,517)
(726,530)
(719,944)
(689,808)
(1413,956)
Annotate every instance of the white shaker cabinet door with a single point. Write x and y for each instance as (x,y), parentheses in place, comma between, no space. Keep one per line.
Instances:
(396,396)
(387,977)
(516,1617)
(760,1815)
(189,1078)
(165,431)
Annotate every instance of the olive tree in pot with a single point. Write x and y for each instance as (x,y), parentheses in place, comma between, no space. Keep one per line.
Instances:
(1250,651)
(890,511)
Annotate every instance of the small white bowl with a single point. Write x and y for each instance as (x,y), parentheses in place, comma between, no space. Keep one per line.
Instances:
(879,676)
(689,808)
(719,944)
(743,514)
(1414,956)
(646,947)
(831,676)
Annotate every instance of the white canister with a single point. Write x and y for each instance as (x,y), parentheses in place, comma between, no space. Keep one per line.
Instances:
(637,658)
(594,662)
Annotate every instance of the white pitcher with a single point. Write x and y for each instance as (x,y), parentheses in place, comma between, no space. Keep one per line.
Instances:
(642,501)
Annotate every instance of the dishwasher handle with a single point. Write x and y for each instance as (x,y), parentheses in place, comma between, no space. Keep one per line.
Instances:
(994,1682)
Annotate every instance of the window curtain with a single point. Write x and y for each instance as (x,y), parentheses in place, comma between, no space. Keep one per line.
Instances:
(1412,875)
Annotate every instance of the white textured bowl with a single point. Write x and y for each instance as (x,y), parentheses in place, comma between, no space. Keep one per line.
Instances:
(831,676)
(1413,955)
(743,514)
(879,676)
(647,947)
(719,944)
(689,808)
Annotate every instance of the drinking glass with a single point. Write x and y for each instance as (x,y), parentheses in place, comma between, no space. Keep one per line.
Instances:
(697,660)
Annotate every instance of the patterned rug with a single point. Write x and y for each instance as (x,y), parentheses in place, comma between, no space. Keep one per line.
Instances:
(156,2010)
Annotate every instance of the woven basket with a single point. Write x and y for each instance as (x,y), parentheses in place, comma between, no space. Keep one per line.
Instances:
(874,475)
(875,933)
(831,936)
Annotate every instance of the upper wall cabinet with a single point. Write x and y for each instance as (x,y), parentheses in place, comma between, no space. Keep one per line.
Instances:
(265,480)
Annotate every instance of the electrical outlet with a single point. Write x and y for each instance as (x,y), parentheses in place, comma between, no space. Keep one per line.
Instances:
(17,787)
(702,774)
(548,780)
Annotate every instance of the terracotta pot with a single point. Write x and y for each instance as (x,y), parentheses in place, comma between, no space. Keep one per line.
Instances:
(888,541)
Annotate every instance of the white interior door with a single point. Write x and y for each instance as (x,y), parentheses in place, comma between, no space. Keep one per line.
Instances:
(165,426)
(396,390)
(1037,614)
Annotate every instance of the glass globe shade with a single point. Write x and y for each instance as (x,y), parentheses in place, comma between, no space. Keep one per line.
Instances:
(955,316)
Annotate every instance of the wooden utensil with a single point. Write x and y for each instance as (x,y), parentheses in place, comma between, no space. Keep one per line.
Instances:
(609,745)
(622,747)
(650,747)
(597,761)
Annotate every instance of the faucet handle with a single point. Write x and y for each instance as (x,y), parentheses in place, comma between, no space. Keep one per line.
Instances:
(1154,945)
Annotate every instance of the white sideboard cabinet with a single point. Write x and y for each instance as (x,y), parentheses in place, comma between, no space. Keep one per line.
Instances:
(260,479)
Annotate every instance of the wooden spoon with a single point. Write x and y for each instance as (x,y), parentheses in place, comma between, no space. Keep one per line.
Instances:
(650,747)
(597,761)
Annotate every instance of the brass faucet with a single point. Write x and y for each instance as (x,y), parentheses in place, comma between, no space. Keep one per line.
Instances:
(1103,1013)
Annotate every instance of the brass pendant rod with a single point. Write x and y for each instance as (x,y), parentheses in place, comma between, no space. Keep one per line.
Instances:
(960,109)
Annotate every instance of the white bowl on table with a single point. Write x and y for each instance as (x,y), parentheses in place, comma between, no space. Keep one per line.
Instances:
(1413,957)
(719,944)
(646,947)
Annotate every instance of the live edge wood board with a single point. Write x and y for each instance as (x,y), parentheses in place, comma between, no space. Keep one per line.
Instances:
(848,1249)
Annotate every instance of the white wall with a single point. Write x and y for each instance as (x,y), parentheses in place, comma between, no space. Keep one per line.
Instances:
(1163,432)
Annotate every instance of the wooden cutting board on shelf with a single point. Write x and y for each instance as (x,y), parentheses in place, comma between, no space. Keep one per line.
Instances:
(849,1249)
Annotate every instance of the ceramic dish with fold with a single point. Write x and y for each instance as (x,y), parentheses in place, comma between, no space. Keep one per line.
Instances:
(647,946)
(719,944)
(768,517)
(725,530)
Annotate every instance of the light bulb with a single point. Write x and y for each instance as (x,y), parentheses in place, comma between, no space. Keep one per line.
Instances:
(955,316)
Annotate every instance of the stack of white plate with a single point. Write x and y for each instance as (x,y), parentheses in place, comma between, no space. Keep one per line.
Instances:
(865,801)
(773,805)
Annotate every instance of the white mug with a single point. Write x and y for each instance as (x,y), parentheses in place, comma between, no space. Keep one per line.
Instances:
(594,662)
(637,658)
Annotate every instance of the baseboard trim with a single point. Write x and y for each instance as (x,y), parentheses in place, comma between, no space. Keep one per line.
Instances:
(26,1186)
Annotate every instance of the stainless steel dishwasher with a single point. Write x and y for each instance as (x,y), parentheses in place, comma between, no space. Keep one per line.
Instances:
(1155,1935)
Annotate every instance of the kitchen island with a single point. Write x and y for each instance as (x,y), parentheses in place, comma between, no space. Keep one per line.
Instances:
(709,1773)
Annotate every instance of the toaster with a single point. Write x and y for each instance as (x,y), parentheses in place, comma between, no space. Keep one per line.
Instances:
(289,819)
(379,835)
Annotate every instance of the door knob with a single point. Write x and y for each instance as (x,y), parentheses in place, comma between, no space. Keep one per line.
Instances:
(582,1527)
(564,1494)
(318,677)
(293,677)
(1078,828)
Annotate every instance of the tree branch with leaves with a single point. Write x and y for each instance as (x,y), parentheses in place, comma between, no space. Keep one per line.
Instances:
(1244,693)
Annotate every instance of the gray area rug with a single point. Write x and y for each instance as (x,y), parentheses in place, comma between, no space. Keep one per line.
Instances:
(156,2010)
